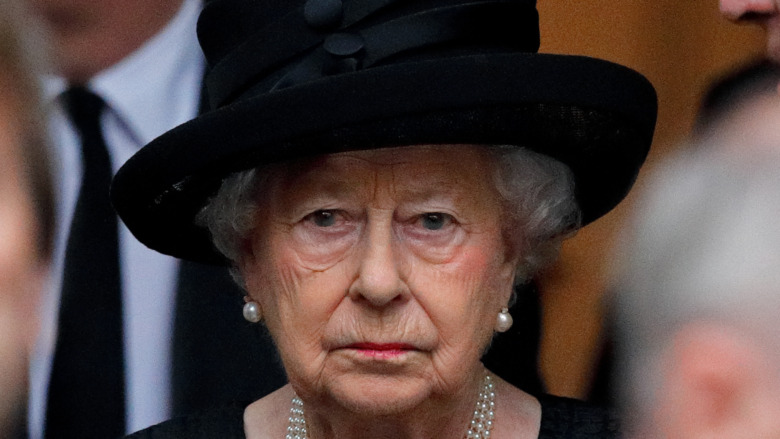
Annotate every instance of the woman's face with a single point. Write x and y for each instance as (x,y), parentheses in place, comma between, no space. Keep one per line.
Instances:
(380,273)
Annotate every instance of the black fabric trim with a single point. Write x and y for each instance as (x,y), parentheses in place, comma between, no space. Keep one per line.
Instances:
(566,418)
(223,423)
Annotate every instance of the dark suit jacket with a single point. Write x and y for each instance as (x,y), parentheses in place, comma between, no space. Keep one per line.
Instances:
(218,357)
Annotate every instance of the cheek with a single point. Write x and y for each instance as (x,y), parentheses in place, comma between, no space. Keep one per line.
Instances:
(298,302)
(303,292)
(463,297)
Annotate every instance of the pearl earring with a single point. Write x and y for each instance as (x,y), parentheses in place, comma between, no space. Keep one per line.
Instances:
(503,320)
(252,312)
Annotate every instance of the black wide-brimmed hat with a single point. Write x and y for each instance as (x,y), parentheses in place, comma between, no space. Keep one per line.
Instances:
(294,78)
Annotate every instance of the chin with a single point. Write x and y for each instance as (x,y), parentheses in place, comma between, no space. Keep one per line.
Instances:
(381,397)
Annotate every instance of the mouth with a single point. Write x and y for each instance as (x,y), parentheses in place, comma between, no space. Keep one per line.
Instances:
(380,350)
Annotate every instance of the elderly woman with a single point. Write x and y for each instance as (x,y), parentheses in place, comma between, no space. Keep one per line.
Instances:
(380,174)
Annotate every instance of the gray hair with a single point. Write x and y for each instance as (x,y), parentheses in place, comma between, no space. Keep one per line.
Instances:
(538,195)
(704,246)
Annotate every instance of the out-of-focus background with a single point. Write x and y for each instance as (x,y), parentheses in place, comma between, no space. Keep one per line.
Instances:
(681,46)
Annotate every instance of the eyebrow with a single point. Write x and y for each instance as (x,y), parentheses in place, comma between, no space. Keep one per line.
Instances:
(325,187)
(439,189)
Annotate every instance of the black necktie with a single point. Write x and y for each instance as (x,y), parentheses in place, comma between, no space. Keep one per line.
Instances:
(86,390)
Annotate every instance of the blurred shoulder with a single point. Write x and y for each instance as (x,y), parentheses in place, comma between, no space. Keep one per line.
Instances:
(566,418)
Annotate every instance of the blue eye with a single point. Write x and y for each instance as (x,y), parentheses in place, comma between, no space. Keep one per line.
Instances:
(323,218)
(435,220)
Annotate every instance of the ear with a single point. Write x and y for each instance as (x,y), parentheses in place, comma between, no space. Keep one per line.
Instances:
(506,273)
(509,259)
(714,385)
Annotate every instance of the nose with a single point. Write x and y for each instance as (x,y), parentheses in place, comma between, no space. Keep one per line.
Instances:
(747,10)
(379,279)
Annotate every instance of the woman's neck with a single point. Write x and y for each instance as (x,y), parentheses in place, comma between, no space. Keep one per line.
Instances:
(517,415)
(433,419)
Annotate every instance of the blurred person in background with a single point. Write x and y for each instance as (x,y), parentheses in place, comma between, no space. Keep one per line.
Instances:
(735,90)
(728,91)
(698,288)
(128,337)
(765,13)
(26,217)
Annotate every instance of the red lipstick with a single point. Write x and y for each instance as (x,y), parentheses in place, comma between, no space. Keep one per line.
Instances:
(381,350)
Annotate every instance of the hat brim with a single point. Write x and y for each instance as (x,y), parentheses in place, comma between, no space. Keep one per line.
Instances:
(597,117)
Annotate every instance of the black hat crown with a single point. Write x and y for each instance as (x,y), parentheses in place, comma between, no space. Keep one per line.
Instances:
(255,47)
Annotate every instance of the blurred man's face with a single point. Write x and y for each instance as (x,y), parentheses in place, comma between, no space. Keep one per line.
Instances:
(89,36)
(765,13)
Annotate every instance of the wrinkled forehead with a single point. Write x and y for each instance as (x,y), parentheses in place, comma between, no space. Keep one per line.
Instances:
(418,162)
(429,157)
(422,170)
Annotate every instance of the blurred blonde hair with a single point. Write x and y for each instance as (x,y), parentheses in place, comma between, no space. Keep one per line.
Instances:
(22,58)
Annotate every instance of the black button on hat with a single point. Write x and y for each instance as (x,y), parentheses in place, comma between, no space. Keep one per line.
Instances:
(343,44)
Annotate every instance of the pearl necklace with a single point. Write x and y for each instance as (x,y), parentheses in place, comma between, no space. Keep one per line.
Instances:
(479,428)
